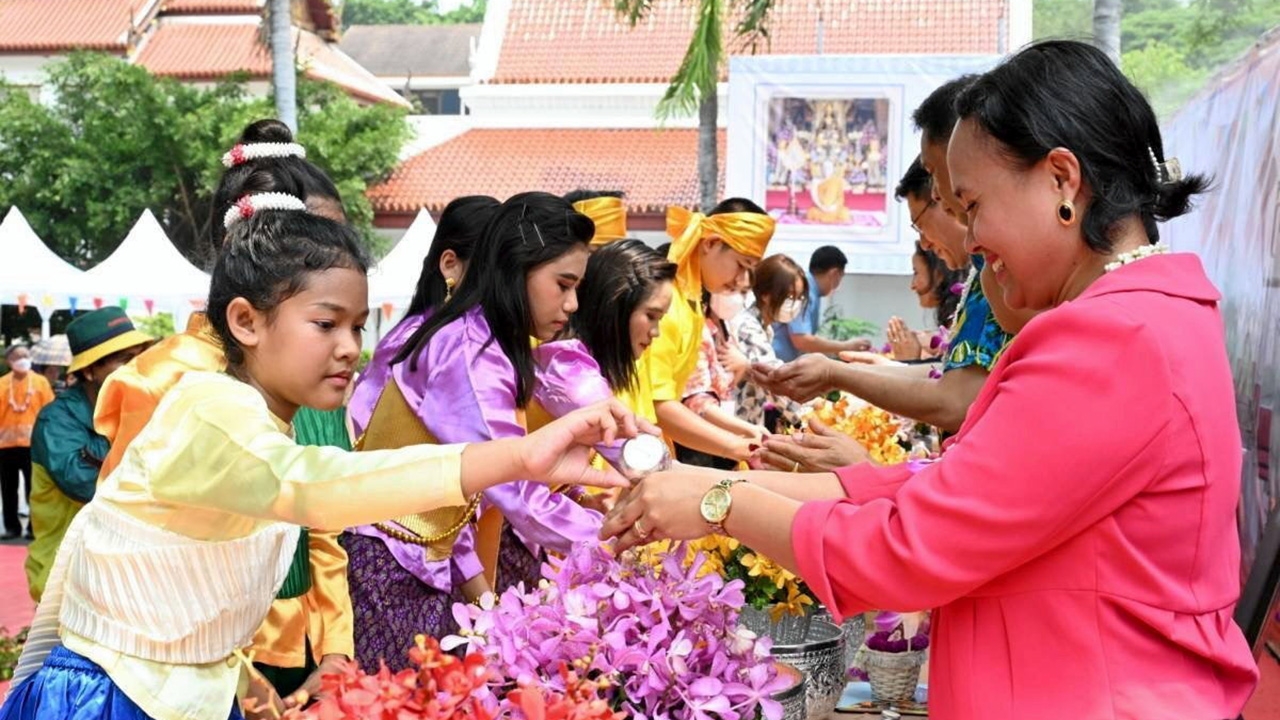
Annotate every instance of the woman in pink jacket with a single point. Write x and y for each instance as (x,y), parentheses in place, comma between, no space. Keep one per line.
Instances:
(1078,536)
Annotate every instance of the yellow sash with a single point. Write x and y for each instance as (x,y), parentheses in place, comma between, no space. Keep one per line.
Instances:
(394,425)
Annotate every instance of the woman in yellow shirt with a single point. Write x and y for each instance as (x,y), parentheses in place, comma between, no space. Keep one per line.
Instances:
(713,253)
(625,294)
(172,566)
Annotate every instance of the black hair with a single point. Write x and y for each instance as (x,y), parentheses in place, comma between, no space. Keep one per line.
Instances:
(1069,94)
(826,258)
(526,231)
(460,226)
(916,182)
(579,195)
(292,175)
(944,279)
(936,117)
(736,204)
(620,276)
(269,257)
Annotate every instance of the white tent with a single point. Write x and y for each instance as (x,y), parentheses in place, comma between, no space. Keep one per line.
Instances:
(396,277)
(145,267)
(146,270)
(31,270)
(31,273)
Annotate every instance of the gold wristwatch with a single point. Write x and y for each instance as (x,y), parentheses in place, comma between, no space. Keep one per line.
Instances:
(716,503)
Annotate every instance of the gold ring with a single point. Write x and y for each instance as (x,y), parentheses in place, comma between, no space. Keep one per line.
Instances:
(639,530)
(797,467)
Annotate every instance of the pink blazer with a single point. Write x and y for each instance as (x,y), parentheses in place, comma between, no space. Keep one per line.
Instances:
(1078,537)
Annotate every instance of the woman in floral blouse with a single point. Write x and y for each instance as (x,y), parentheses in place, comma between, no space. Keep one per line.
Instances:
(780,288)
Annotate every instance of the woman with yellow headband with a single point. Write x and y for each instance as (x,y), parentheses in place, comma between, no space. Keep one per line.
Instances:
(606,209)
(713,253)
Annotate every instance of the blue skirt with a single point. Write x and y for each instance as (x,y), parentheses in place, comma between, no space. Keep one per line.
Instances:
(71,687)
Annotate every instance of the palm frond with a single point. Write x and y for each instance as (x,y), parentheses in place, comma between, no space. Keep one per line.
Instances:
(700,70)
(633,10)
(754,26)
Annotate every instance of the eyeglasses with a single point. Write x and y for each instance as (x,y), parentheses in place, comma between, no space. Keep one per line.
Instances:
(915,221)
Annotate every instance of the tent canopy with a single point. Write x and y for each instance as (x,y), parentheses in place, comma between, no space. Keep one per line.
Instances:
(31,273)
(396,277)
(146,266)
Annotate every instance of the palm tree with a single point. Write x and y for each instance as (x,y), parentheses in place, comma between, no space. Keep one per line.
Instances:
(694,86)
(1106,27)
(284,79)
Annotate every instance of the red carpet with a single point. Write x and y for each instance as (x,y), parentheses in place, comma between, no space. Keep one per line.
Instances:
(16,608)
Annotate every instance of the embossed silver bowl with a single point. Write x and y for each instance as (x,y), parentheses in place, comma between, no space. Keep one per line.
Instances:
(791,699)
(820,656)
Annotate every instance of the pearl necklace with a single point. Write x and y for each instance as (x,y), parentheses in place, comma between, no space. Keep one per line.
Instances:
(964,296)
(1145,251)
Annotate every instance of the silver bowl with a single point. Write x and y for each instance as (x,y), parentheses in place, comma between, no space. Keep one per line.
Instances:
(820,656)
(791,699)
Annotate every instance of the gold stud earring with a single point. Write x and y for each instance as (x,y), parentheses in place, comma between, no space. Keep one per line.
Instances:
(1066,213)
(448,288)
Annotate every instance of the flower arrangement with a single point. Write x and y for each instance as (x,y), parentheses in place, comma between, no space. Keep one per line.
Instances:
(661,641)
(440,686)
(766,585)
(876,430)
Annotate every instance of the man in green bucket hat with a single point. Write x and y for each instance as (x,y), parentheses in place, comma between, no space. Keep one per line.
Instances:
(66,452)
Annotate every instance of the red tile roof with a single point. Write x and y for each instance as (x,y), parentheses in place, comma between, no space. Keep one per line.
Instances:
(584,41)
(655,168)
(61,25)
(208,51)
(212,7)
(205,51)
(323,16)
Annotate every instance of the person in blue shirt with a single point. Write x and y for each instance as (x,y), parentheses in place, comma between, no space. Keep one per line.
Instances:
(800,335)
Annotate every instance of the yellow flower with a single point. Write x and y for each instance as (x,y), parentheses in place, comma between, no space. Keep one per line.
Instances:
(761,566)
(794,604)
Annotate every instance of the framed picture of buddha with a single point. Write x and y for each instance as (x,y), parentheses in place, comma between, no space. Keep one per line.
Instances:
(827,162)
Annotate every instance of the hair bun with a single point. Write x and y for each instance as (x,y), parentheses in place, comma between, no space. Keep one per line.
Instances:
(268,130)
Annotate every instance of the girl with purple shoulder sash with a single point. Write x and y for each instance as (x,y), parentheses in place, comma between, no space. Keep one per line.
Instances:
(461,362)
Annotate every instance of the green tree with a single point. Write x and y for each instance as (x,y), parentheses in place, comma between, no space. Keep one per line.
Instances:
(115,140)
(693,89)
(382,12)
(408,12)
(1169,47)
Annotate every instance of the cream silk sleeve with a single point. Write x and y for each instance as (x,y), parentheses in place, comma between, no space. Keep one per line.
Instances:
(248,466)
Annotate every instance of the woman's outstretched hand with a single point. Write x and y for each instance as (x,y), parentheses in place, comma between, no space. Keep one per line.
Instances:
(801,379)
(665,505)
(559,453)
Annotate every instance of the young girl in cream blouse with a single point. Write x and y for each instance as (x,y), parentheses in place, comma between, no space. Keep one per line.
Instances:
(173,565)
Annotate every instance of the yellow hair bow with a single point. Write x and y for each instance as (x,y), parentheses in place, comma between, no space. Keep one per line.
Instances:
(746,232)
(610,216)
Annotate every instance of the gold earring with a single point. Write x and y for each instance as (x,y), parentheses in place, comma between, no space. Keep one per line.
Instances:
(1066,213)
(448,288)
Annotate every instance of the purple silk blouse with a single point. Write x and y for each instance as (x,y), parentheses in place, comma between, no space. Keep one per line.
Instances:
(463,390)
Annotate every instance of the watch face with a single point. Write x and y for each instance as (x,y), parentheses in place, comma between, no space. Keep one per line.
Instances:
(715,505)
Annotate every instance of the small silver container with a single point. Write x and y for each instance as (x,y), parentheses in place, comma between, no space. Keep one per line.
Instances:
(644,455)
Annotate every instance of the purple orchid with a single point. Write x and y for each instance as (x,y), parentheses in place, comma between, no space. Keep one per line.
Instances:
(666,641)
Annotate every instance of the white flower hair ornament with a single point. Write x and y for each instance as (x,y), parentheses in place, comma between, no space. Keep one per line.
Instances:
(245,207)
(244,153)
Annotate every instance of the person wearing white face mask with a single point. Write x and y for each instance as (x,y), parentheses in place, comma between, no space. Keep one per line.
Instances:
(22,395)
(780,287)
